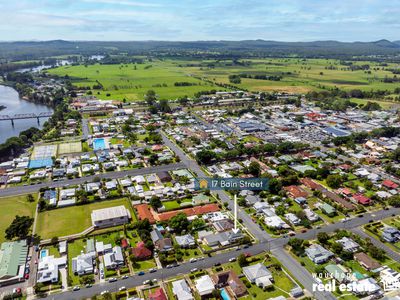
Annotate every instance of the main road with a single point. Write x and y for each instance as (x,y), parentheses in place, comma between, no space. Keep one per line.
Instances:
(112,175)
(276,246)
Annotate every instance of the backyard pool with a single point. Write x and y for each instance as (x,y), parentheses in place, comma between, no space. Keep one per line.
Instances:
(225,295)
(99,144)
(44,253)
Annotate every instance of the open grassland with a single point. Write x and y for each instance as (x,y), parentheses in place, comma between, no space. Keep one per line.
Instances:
(297,75)
(12,206)
(70,220)
(132,81)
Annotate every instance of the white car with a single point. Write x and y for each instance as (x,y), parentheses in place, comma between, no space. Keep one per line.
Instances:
(146,282)
(154,280)
(76,288)
(232,259)
(193,270)
(104,292)
(122,288)
(192,260)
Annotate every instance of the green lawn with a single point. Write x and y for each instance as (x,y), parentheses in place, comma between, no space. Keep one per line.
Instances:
(12,206)
(144,265)
(70,220)
(133,81)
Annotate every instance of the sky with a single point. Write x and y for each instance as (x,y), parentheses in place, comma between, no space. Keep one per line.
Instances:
(189,20)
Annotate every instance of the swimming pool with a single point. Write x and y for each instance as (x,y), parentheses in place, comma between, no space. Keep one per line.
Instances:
(225,295)
(99,144)
(44,253)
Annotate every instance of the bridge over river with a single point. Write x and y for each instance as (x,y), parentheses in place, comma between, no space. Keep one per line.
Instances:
(25,116)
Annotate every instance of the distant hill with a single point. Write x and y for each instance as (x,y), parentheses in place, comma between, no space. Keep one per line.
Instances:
(34,50)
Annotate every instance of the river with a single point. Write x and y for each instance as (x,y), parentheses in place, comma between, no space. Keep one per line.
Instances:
(15,105)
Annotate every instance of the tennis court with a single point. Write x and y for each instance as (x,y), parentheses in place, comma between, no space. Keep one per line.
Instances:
(73,147)
(46,151)
(40,163)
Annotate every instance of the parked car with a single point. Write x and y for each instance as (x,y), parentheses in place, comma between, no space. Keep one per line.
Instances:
(88,285)
(152,270)
(104,292)
(192,260)
(146,282)
(26,276)
(122,288)
(76,288)
(232,259)
(17,291)
(140,273)
(193,270)
(113,279)
(125,277)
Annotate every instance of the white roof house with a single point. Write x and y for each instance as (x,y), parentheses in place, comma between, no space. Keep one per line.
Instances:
(83,263)
(204,285)
(111,216)
(186,240)
(181,290)
(275,222)
(114,259)
(258,274)
(48,268)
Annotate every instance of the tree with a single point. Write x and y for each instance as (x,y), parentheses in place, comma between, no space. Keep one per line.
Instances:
(242,260)
(30,198)
(155,202)
(197,224)
(150,97)
(280,210)
(205,156)
(394,201)
(296,244)
(179,222)
(323,237)
(274,186)
(334,181)
(19,227)
(254,168)
(337,248)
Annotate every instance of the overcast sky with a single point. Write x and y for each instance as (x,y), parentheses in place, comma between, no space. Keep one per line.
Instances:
(283,20)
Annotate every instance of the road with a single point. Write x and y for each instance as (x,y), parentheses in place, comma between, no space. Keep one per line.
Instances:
(112,175)
(223,196)
(389,251)
(85,129)
(274,245)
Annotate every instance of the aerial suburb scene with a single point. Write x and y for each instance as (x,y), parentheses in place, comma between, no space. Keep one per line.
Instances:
(199,149)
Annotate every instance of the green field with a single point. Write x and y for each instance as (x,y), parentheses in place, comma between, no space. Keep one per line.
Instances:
(298,75)
(70,220)
(123,81)
(12,206)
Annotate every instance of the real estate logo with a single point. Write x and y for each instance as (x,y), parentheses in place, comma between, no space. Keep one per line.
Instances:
(231,183)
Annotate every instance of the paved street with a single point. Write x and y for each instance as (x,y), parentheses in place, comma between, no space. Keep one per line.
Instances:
(112,175)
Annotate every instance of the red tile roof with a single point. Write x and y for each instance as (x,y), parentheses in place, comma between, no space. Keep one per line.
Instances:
(141,251)
(193,211)
(360,198)
(390,184)
(296,191)
(124,243)
(145,212)
(158,294)
(311,184)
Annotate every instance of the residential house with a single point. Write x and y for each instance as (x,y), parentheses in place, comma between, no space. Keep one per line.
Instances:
(114,259)
(338,272)
(161,244)
(83,263)
(327,209)
(318,254)
(296,191)
(141,252)
(231,279)
(348,244)
(200,199)
(185,241)
(204,285)
(258,274)
(293,219)
(389,278)
(391,234)
(311,215)
(181,290)
(48,268)
(366,262)
(158,294)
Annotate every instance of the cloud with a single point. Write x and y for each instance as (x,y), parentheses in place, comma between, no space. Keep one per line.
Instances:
(125,3)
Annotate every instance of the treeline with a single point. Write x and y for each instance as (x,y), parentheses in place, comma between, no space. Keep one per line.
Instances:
(208,156)
(261,76)
(184,83)
(361,137)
